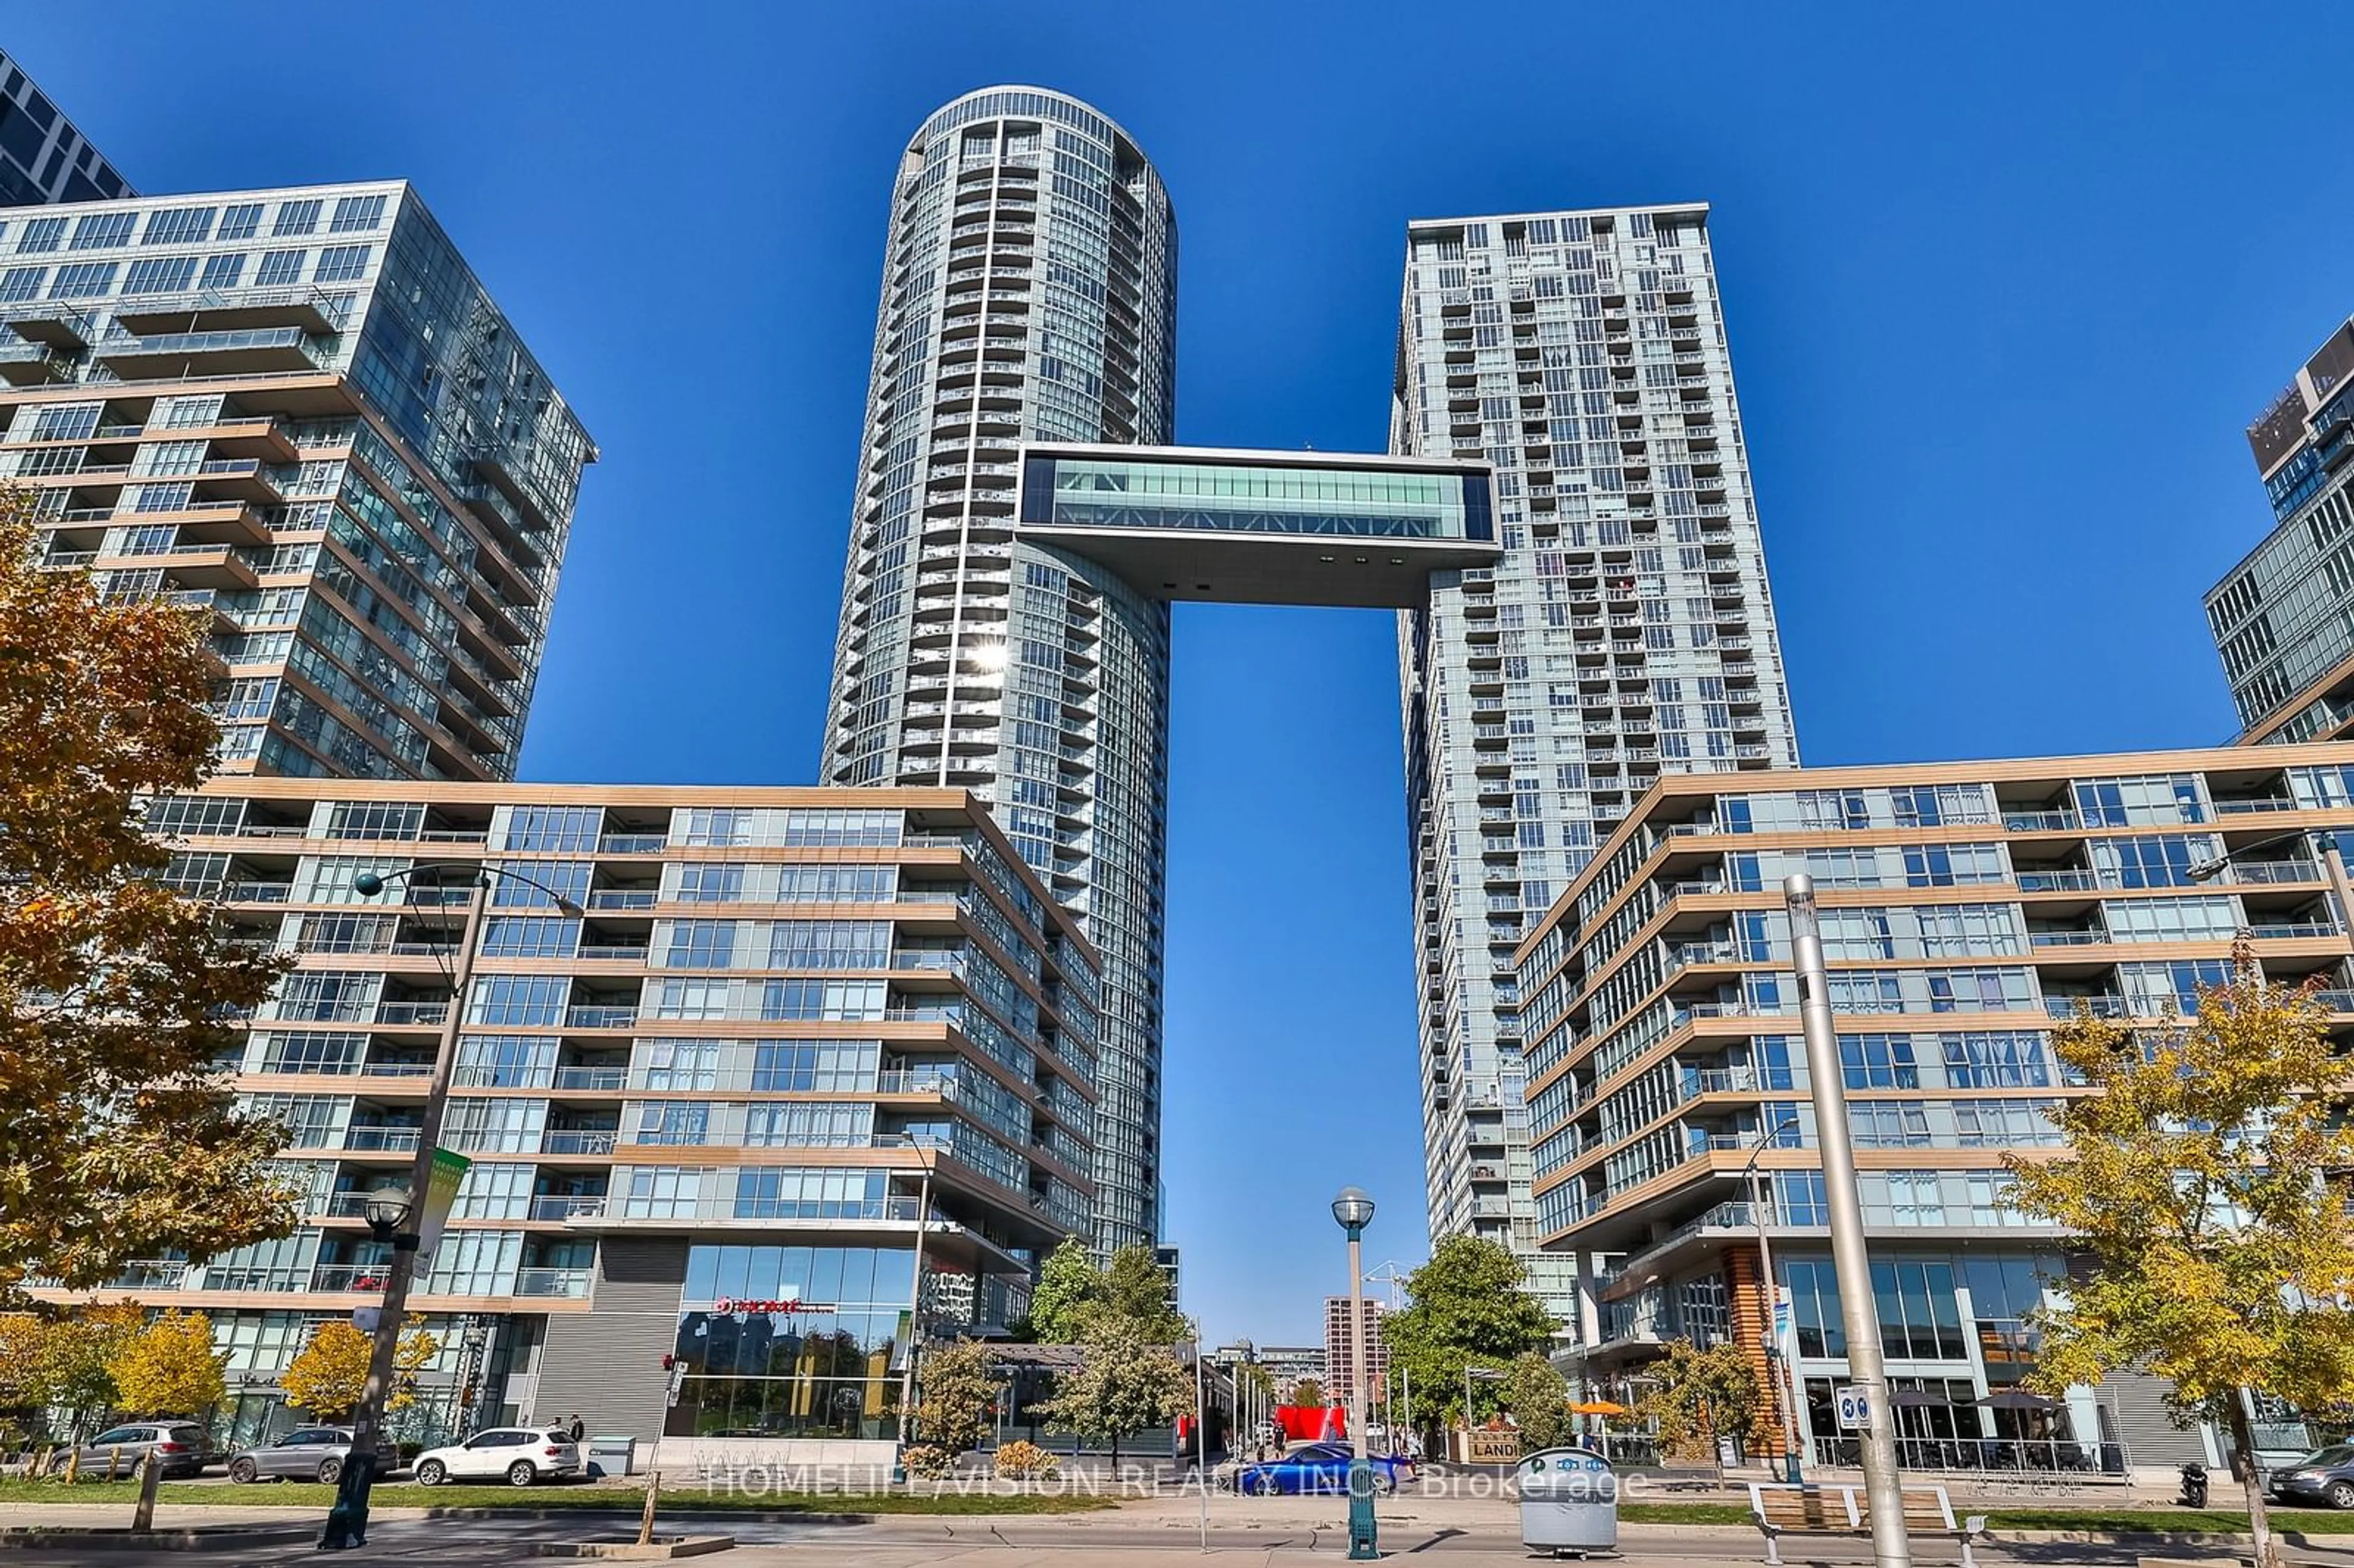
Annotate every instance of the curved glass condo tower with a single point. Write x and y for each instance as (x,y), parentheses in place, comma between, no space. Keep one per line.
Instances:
(1029,293)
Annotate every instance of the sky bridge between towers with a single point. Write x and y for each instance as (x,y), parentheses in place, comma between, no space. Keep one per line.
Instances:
(1261,527)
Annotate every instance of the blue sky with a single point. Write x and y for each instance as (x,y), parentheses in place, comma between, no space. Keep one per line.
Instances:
(2003,284)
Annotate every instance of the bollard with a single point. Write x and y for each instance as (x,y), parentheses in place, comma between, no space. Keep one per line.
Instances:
(646,1519)
(73,1464)
(143,1518)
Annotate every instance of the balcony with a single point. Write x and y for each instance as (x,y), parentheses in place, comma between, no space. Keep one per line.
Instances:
(30,364)
(594,1078)
(632,843)
(556,1209)
(251,351)
(413,1014)
(600,1018)
(348,1279)
(569,1282)
(54,323)
(213,314)
(598,1141)
(387,1140)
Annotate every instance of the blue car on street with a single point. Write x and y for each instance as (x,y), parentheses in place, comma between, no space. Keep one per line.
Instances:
(1319,1467)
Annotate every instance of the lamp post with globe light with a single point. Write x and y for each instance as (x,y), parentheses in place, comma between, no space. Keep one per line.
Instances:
(394,1216)
(1354,1211)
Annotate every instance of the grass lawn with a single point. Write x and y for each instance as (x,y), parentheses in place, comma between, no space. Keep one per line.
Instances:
(683,1498)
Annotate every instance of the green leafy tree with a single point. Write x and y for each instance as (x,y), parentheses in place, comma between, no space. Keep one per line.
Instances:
(1698,1395)
(1307,1394)
(2206,1179)
(1136,1292)
(1069,1286)
(1538,1400)
(1129,1382)
(1469,1310)
(170,1368)
(960,1386)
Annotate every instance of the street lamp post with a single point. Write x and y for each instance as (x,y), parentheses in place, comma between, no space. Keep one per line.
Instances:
(1784,1401)
(2341,892)
(1354,1211)
(399,1222)
(1851,1262)
(914,1317)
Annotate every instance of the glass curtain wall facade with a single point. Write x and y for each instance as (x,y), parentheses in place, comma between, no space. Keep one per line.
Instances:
(1029,293)
(298,412)
(2283,619)
(1628,632)
(44,156)
(1965,909)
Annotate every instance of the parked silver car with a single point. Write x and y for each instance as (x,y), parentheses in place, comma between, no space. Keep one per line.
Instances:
(306,1453)
(181,1449)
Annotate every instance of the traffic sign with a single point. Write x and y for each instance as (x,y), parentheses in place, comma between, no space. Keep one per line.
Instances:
(1854,1407)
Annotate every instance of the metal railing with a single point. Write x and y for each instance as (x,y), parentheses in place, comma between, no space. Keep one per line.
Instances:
(2046,1456)
(578,1142)
(412,1012)
(549,1208)
(393,1140)
(600,1018)
(350,1276)
(590,1077)
(565,1282)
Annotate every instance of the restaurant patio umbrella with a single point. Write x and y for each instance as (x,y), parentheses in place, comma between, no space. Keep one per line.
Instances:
(2017,1399)
(1914,1399)
(1597,1407)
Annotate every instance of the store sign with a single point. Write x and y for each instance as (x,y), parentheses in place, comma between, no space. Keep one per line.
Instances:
(726,1305)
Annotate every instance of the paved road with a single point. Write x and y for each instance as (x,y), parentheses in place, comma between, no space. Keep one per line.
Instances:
(1142,1542)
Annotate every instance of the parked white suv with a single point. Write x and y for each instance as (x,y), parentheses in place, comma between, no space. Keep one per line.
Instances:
(521,1454)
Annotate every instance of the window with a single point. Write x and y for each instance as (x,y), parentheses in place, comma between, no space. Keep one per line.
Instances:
(700,945)
(102,230)
(241,222)
(374,820)
(329,996)
(82,279)
(42,234)
(354,213)
(178,225)
(341,264)
(819,1066)
(790,998)
(223,271)
(1878,1062)
(672,1121)
(348,933)
(160,275)
(20,283)
(710,883)
(558,829)
(680,1064)
(279,268)
(830,945)
(530,937)
(520,1000)
(297,217)
(505,1062)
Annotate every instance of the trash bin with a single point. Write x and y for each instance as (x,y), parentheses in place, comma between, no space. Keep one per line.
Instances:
(612,1456)
(1569,1502)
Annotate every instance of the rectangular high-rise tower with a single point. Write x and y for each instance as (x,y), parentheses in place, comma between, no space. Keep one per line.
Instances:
(2284,618)
(1626,631)
(298,411)
(44,156)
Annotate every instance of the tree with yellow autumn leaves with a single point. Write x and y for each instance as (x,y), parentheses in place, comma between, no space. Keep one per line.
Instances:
(2206,1180)
(117,994)
(327,1377)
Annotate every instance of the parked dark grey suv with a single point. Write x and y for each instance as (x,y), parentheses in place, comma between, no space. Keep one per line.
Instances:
(2323,1475)
(306,1453)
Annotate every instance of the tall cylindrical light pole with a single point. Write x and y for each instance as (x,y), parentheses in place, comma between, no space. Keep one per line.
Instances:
(1354,1211)
(1890,1546)
(347,1519)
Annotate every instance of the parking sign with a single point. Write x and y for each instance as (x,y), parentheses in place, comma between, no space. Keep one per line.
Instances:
(1854,1407)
